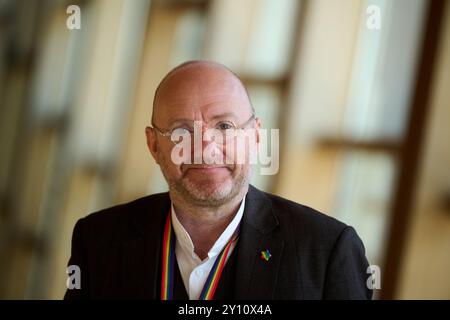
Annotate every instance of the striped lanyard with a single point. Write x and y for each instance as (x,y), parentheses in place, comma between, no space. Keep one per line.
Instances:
(168,264)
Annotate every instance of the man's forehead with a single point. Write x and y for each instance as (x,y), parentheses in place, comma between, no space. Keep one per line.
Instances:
(202,81)
(183,112)
(203,87)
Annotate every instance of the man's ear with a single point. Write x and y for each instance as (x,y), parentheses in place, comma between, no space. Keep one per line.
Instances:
(151,142)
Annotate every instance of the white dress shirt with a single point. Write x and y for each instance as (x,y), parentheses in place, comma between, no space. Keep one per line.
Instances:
(193,270)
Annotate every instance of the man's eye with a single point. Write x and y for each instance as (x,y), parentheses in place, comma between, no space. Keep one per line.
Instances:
(224,126)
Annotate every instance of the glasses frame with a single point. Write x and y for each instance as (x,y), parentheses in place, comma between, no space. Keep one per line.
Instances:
(168,133)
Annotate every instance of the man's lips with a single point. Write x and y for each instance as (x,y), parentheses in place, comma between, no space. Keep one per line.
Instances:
(206,169)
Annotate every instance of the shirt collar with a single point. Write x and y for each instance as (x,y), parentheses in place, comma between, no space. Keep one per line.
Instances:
(185,240)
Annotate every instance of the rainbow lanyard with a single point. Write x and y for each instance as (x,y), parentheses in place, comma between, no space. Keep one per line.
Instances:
(168,263)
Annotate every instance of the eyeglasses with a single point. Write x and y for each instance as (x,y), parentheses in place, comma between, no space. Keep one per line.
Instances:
(222,126)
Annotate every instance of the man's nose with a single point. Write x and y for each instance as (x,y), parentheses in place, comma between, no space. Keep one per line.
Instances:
(208,136)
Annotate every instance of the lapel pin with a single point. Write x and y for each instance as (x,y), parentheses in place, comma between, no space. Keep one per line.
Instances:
(265,255)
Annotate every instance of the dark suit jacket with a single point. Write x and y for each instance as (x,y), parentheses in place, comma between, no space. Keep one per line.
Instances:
(313,256)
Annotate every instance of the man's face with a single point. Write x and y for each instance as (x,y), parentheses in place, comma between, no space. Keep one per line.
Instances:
(211,96)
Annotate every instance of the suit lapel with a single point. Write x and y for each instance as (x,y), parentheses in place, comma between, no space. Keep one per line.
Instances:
(141,253)
(255,277)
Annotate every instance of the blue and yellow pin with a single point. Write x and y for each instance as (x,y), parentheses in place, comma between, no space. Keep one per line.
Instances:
(266,255)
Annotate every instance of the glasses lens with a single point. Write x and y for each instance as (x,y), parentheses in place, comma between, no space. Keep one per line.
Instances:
(180,134)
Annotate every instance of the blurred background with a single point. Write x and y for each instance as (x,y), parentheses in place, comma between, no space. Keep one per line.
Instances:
(363,113)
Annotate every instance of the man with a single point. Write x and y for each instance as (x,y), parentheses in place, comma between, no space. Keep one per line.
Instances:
(213,235)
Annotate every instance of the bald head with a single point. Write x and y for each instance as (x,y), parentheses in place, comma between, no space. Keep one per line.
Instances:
(198,81)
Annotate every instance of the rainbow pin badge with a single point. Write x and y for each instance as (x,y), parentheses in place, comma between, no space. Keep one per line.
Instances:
(266,255)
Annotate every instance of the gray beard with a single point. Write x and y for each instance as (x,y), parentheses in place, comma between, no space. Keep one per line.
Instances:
(195,194)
